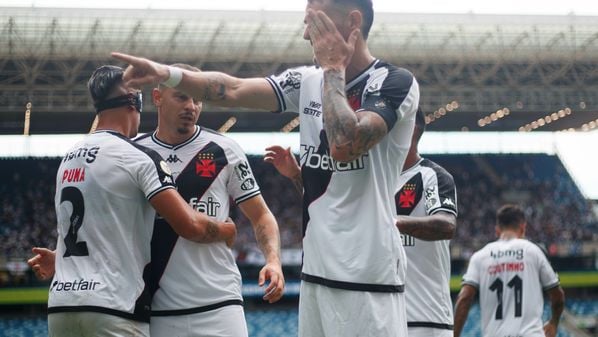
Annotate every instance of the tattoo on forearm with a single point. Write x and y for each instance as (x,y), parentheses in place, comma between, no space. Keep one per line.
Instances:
(268,241)
(343,128)
(215,90)
(212,231)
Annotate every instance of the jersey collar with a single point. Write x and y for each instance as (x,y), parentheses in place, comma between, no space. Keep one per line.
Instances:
(361,75)
(418,163)
(176,146)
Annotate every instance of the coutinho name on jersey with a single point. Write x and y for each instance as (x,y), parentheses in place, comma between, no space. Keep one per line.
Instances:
(501,267)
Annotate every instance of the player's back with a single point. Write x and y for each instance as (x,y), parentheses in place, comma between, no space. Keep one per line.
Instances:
(512,276)
(104,226)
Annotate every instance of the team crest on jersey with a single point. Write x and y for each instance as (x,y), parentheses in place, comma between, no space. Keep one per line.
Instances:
(409,195)
(165,167)
(205,166)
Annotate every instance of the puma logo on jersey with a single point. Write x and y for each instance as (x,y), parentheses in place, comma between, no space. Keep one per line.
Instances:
(311,159)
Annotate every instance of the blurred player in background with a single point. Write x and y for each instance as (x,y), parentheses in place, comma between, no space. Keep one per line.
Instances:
(354,264)
(511,275)
(196,288)
(427,207)
(106,187)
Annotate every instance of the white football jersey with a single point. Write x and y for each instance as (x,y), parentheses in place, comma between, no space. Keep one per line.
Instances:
(427,188)
(510,276)
(350,237)
(189,277)
(105,225)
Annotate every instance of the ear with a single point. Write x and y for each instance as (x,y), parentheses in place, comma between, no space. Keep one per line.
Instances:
(355,20)
(497,230)
(156,97)
(522,228)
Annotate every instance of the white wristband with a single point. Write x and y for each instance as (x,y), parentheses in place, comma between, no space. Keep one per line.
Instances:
(175,76)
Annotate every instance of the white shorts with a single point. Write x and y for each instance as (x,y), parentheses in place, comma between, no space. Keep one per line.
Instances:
(94,324)
(429,332)
(330,312)
(228,321)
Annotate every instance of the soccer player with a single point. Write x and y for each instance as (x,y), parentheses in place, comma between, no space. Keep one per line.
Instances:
(196,288)
(511,275)
(106,187)
(357,115)
(426,203)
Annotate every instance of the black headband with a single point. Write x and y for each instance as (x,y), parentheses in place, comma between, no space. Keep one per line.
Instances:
(134,99)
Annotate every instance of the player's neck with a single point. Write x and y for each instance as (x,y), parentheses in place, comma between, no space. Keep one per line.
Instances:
(360,61)
(509,235)
(413,158)
(174,137)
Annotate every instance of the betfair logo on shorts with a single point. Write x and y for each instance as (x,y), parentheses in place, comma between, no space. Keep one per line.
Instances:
(311,159)
(77,285)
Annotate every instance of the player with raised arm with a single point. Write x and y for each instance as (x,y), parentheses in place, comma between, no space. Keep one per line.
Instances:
(426,204)
(511,275)
(356,112)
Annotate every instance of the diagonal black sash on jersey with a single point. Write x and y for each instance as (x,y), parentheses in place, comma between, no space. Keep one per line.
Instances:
(193,182)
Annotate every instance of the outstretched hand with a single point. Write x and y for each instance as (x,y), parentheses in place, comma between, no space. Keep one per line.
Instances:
(43,263)
(142,71)
(283,160)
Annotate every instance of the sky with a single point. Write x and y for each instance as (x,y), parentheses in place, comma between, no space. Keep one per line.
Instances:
(534,7)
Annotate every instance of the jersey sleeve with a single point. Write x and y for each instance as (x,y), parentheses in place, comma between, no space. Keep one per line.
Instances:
(393,93)
(287,87)
(548,278)
(241,184)
(152,173)
(472,275)
(440,193)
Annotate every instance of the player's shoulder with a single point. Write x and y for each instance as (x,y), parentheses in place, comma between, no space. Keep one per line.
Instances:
(436,169)
(134,151)
(396,74)
(144,138)
(218,137)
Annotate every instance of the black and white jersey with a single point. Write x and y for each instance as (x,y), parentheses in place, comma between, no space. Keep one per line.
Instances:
(427,188)
(105,225)
(350,238)
(188,277)
(510,276)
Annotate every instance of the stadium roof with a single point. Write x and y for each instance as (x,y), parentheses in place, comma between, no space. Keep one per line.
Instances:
(499,71)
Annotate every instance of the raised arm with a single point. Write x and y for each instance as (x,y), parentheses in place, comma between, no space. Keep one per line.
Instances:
(215,87)
(190,224)
(438,226)
(268,239)
(464,301)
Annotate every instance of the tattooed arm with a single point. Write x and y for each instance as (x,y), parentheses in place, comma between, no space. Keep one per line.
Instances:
(350,134)
(215,87)
(438,226)
(268,239)
(188,223)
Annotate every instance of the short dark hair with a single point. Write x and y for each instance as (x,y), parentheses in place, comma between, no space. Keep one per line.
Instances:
(510,216)
(420,122)
(367,10)
(103,81)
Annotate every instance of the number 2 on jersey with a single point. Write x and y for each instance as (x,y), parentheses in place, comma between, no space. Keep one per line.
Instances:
(515,283)
(75,197)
